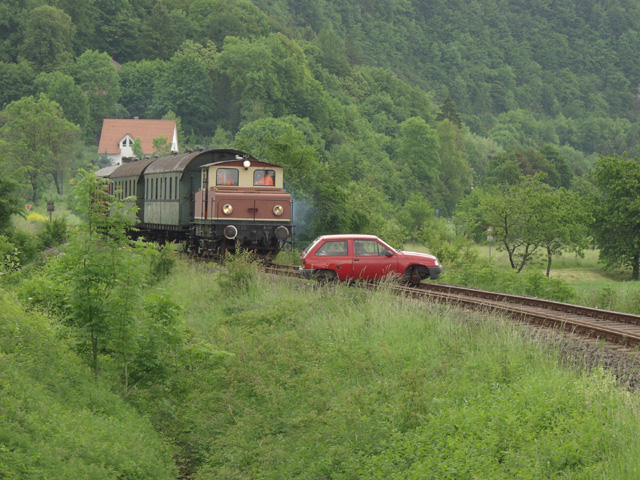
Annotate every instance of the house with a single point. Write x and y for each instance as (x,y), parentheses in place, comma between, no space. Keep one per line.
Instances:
(118,135)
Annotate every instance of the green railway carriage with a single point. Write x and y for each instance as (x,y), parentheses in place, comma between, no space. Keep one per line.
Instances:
(128,183)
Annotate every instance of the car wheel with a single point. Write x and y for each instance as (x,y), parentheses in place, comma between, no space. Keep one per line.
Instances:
(412,275)
(324,277)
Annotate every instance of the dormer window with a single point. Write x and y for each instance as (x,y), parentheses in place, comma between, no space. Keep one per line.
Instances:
(126,142)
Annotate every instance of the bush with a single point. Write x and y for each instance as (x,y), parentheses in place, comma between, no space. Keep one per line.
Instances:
(240,274)
(462,266)
(162,264)
(53,233)
(34,217)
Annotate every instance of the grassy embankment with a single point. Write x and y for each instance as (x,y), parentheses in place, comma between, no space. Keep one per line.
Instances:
(337,382)
(59,422)
(588,281)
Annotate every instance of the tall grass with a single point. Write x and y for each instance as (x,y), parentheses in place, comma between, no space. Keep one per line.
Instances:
(337,382)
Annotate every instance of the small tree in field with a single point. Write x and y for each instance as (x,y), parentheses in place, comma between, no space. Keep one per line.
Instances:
(526,218)
(105,275)
(100,270)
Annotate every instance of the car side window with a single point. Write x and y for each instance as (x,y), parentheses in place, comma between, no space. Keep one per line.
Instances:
(368,248)
(333,249)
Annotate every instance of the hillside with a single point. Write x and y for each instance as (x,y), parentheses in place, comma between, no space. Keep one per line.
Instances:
(56,419)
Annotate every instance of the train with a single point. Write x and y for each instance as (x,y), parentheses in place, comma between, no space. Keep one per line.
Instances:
(211,201)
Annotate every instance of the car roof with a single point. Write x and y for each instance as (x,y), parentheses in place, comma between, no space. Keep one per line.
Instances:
(348,236)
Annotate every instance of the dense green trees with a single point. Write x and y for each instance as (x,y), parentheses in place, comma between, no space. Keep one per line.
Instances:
(336,98)
(96,75)
(48,38)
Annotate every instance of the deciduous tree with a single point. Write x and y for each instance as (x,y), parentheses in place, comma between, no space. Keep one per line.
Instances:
(38,139)
(96,75)
(616,225)
(62,89)
(48,37)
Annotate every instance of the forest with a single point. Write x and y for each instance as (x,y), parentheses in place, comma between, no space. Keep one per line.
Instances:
(428,123)
(388,116)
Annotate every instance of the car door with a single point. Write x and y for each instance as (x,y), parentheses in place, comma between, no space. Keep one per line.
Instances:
(371,260)
(333,255)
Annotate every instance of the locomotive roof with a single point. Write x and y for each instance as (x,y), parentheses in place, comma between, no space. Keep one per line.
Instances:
(132,169)
(179,163)
(238,163)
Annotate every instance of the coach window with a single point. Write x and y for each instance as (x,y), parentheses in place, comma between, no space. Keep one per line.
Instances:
(264,177)
(227,177)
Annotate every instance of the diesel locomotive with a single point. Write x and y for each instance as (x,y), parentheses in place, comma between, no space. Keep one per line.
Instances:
(210,200)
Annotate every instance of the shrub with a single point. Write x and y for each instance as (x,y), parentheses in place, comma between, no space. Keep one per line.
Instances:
(162,264)
(34,217)
(53,233)
(240,274)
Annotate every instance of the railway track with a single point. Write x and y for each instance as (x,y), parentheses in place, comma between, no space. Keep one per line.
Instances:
(615,327)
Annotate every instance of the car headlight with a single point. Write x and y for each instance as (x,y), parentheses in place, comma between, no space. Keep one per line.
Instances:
(227,209)
(278,210)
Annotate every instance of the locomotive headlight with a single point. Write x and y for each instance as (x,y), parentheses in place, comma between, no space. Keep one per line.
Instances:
(227,209)
(278,210)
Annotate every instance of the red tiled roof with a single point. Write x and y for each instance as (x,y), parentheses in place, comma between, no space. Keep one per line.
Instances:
(114,130)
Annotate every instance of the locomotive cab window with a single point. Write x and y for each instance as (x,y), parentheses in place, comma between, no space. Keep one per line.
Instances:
(264,177)
(227,177)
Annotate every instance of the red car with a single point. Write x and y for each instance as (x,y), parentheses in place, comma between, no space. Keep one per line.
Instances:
(364,257)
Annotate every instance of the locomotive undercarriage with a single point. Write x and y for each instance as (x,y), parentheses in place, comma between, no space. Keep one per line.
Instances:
(215,239)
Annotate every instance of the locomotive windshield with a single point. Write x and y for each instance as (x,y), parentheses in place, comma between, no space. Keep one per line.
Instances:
(264,177)
(227,177)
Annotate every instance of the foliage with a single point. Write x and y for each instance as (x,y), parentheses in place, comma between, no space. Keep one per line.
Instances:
(97,287)
(56,420)
(344,374)
(616,211)
(38,140)
(239,276)
(9,258)
(54,233)
(9,203)
(63,90)
(96,75)
(194,105)
(525,218)
(48,37)
(137,148)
